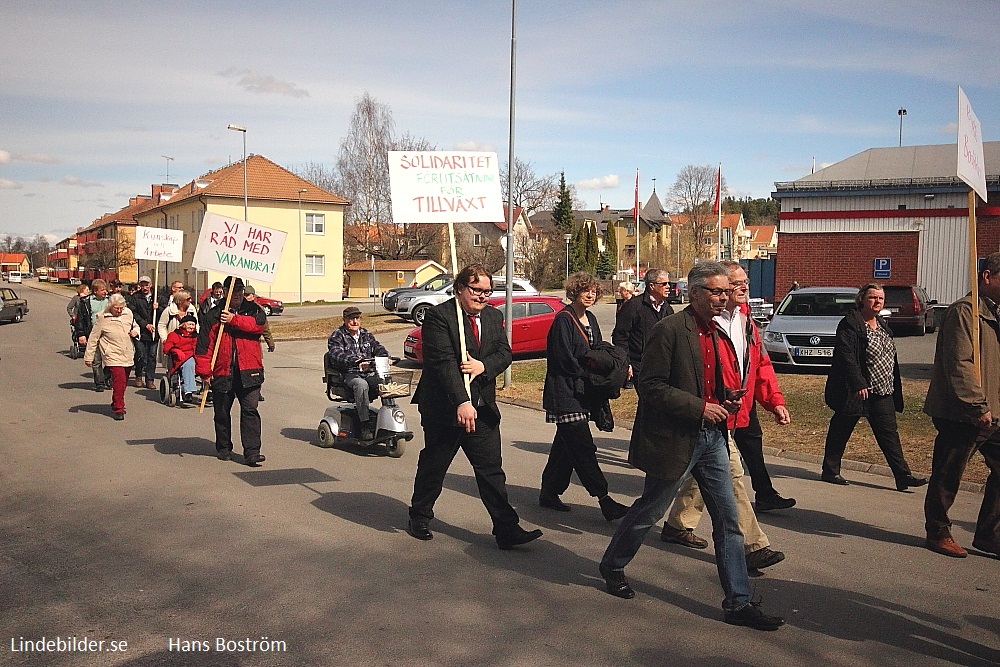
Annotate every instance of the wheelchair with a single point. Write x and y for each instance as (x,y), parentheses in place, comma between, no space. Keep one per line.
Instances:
(340,423)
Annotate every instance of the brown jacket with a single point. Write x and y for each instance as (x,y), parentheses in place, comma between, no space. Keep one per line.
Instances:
(954,393)
(671,382)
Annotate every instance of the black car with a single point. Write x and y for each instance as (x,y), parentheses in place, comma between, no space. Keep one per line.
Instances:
(909,309)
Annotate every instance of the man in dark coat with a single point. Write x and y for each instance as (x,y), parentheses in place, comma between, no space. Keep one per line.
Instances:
(680,428)
(637,317)
(457,415)
(238,372)
(145,311)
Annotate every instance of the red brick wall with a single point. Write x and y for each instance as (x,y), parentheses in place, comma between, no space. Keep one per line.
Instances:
(843,258)
(987,234)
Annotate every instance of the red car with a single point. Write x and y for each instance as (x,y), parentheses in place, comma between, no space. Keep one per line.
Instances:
(533,317)
(269,306)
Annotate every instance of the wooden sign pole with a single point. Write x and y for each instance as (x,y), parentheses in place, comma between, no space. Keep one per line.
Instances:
(218,339)
(458,307)
(974,283)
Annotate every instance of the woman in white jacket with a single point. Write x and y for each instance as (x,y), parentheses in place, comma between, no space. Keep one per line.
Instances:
(179,306)
(113,333)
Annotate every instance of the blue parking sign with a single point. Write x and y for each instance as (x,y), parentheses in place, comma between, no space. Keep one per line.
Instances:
(883,268)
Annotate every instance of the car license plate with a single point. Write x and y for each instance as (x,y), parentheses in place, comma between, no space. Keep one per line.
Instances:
(813,351)
(893,310)
(407,348)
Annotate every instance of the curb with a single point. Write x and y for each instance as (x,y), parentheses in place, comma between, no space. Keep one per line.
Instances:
(857,466)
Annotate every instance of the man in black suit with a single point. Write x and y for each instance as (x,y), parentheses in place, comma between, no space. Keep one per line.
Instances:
(455,417)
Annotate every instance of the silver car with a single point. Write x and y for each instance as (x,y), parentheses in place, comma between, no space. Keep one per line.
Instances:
(803,330)
(414,305)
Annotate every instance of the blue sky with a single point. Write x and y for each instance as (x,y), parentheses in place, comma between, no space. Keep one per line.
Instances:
(91,96)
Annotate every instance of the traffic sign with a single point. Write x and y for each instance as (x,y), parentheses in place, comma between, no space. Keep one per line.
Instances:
(883,268)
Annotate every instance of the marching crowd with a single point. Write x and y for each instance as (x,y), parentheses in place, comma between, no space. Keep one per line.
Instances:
(699,375)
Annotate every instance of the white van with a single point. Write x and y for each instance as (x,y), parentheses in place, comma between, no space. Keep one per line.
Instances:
(14,277)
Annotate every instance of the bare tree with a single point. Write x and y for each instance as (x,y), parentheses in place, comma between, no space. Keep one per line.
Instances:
(318,174)
(531,191)
(693,194)
(543,262)
(362,176)
(111,254)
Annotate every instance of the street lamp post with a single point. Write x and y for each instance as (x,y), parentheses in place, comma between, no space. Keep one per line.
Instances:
(567,237)
(240,128)
(901,112)
(300,244)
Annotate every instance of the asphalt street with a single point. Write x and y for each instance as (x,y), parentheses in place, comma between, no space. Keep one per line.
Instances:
(133,531)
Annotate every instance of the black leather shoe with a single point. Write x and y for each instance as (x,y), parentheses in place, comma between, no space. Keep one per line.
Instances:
(616,583)
(223,454)
(752,617)
(763,557)
(118,416)
(612,509)
(254,460)
(903,483)
(99,387)
(774,502)
(551,500)
(419,530)
(834,479)
(516,536)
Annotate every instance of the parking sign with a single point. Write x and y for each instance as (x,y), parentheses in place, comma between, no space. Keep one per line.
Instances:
(883,268)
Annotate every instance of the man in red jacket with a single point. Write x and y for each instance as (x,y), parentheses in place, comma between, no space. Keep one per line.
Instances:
(238,372)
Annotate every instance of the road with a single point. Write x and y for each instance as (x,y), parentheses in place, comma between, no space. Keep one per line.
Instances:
(133,531)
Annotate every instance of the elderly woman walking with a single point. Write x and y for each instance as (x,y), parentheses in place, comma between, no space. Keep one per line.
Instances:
(864,381)
(112,335)
(573,334)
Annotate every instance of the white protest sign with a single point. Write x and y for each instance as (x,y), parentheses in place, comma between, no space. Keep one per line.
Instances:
(238,248)
(445,186)
(161,245)
(971,162)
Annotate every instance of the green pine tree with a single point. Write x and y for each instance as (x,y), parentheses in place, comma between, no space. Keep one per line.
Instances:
(562,212)
(578,250)
(611,248)
(604,268)
(592,250)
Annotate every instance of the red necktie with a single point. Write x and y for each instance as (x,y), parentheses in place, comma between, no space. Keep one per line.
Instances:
(475,327)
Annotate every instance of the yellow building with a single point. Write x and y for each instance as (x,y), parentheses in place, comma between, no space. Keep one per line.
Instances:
(312,259)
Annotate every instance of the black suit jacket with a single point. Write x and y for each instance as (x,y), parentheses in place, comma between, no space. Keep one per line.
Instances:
(442,386)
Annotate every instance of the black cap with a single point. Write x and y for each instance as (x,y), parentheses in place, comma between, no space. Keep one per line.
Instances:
(189,318)
(239,284)
(351,311)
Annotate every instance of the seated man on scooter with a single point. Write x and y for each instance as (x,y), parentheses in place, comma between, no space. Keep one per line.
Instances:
(350,346)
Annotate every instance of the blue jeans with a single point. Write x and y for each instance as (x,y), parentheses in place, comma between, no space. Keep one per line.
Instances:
(710,467)
(187,376)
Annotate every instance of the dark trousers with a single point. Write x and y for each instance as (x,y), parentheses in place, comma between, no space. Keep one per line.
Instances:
(145,358)
(750,443)
(482,448)
(573,449)
(222,404)
(882,418)
(955,444)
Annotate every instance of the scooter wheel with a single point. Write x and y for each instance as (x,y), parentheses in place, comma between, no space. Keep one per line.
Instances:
(324,435)
(395,447)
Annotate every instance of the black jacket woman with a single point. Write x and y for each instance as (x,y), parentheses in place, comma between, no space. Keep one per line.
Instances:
(573,333)
(864,381)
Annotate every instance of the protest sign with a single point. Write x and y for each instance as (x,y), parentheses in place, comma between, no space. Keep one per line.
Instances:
(971,163)
(238,248)
(160,245)
(445,186)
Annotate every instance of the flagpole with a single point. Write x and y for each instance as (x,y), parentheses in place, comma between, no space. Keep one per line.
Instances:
(718,205)
(638,232)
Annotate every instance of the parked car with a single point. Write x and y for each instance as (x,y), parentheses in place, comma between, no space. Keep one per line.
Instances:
(760,309)
(909,309)
(413,306)
(14,277)
(391,297)
(803,330)
(532,318)
(14,309)
(269,306)
(677,291)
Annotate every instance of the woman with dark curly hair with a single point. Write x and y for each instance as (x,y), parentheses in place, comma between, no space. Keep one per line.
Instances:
(574,332)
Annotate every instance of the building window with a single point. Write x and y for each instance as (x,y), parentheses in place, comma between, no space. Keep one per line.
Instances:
(797,209)
(477,240)
(315,265)
(630,229)
(901,207)
(315,223)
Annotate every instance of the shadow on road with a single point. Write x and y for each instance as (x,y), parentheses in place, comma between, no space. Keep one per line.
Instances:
(178,446)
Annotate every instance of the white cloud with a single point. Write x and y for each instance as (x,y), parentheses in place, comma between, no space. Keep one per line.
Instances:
(79,182)
(950,128)
(7,184)
(473,146)
(253,82)
(600,183)
(4,156)
(35,157)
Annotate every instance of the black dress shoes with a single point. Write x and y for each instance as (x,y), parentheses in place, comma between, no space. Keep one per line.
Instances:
(419,530)
(775,502)
(617,583)
(516,536)
(903,483)
(834,479)
(254,460)
(223,454)
(551,500)
(612,509)
(752,617)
